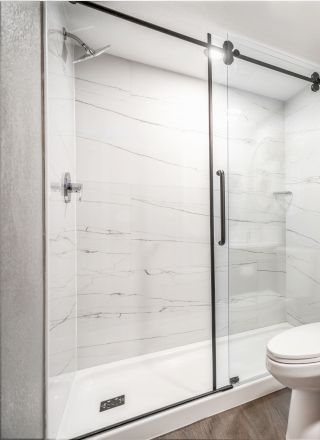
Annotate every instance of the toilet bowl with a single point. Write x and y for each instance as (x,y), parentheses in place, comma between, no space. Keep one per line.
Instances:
(293,358)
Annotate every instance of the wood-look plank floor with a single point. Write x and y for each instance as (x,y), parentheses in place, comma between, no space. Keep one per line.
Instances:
(261,419)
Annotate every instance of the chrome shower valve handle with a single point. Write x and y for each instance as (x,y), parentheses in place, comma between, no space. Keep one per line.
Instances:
(67,188)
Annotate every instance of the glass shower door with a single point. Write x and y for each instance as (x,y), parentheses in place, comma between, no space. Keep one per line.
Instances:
(144,294)
(220,209)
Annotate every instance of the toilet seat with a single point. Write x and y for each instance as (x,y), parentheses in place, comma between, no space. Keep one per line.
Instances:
(293,361)
(299,345)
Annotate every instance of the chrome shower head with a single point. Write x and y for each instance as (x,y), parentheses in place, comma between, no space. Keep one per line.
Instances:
(93,54)
(89,52)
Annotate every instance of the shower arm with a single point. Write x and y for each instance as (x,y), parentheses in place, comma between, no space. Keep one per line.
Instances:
(67,34)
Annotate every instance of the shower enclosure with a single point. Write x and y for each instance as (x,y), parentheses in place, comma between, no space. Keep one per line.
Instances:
(177,194)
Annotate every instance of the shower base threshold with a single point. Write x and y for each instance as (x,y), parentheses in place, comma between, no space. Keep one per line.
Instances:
(158,380)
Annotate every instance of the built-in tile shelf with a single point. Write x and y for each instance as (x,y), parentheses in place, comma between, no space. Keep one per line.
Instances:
(282,193)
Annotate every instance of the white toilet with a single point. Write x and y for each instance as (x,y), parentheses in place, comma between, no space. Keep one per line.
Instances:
(293,358)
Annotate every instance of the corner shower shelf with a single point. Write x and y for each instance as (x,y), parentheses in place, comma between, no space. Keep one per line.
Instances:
(282,193)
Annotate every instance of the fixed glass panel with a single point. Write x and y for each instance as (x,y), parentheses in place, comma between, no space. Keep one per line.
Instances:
(220,186)
(273,239)
(143,314)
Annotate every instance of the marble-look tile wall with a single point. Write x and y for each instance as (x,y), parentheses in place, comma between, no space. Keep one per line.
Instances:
(256,214)
(142,241)
(143,222)
(61,217)
(303,207)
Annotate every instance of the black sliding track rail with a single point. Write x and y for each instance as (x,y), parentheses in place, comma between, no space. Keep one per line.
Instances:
(238,55)
(314,79)
(140,22)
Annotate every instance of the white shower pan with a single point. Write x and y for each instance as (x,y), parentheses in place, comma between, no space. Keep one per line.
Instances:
(160,379)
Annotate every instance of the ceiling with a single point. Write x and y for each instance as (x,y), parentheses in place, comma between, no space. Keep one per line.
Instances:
(146,46)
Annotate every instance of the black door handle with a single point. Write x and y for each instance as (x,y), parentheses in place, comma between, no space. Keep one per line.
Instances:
(220,173)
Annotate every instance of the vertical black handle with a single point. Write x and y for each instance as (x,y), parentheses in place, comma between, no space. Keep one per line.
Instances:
(220,173)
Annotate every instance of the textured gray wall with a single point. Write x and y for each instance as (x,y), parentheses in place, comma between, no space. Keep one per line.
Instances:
(21,222)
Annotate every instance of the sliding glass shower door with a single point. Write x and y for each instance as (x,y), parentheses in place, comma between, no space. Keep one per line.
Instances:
(144,280)
(144,315)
